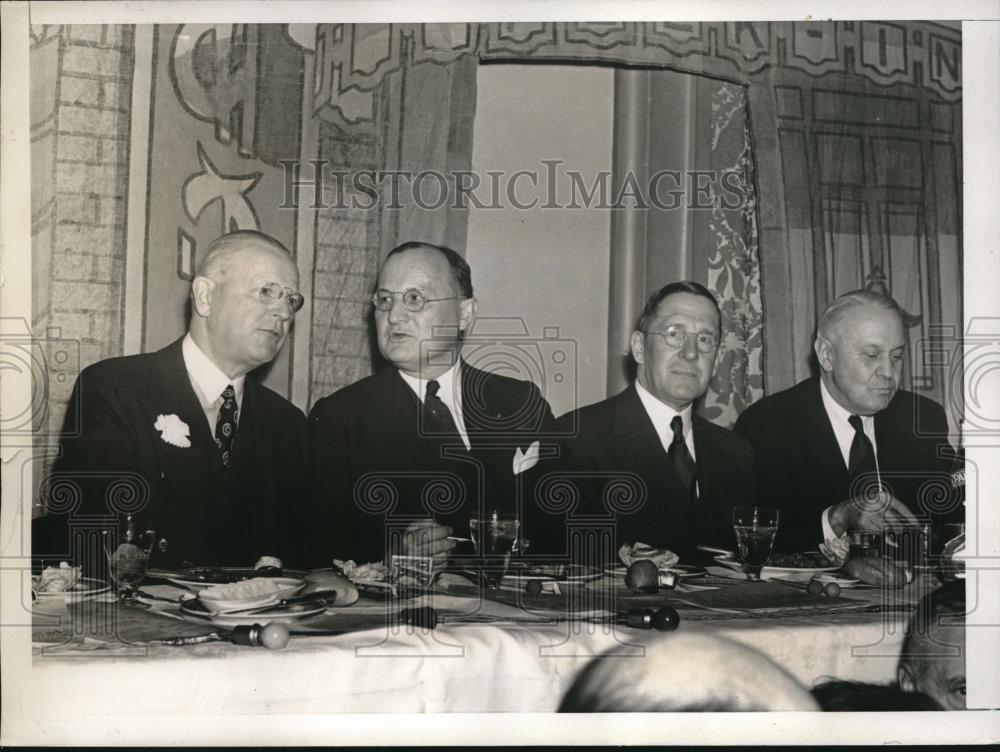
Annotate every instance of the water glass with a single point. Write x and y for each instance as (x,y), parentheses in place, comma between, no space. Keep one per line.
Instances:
(755,529)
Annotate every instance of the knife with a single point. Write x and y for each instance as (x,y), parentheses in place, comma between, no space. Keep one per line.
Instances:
(325,596)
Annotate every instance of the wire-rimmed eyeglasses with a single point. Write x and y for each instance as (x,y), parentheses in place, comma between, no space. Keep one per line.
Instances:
(676,337)
(413,300)
(273,292)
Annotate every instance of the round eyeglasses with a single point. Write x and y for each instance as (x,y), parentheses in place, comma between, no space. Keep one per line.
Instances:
(676,336)
(413,300)
(273,292)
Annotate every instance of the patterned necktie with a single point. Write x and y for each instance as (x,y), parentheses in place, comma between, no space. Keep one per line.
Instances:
(681,457)
(440,420)
(225,426)
(861,458)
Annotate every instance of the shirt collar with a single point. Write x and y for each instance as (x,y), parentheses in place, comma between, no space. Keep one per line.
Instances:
(838,415)
(206,376)
(662,414)
(451,385)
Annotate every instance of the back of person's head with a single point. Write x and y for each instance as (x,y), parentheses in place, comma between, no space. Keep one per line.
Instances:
(932,659)
(852,696)
(684,673)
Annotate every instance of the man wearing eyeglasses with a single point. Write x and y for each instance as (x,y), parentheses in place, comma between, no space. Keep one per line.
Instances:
(418,447)
(219,456)
(692,472)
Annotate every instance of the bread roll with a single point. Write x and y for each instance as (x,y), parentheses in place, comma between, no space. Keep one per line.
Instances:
(876,571)
(325,579)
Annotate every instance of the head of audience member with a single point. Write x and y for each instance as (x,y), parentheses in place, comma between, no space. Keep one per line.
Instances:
(933,656)
(423,307)
(675,343)
(243,299)
(849,696)
(684,673)
(860,343)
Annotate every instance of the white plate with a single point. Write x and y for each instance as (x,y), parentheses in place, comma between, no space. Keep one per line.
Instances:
(572,573)
(86,587)
(844,582)
(237,574)
(793,574)
(193,610)
(284,587)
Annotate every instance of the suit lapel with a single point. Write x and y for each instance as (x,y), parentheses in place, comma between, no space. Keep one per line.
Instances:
(396,418)
(169,392)
(632,423)
(824,449)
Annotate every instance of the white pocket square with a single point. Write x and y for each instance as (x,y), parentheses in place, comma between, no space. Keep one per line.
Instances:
(526,460)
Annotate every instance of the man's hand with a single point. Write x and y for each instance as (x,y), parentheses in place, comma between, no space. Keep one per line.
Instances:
(428,538)
(882,512)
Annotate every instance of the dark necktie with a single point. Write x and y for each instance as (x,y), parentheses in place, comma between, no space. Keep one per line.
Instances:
(861,458)
(225,426)
(681,457)
(441,423)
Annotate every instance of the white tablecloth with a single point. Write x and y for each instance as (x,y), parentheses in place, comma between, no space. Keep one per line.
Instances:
(463,668)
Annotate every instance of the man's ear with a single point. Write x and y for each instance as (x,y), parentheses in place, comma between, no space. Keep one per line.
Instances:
(905,678)
(824,352)
(468,309)
(201,295)
(637,343)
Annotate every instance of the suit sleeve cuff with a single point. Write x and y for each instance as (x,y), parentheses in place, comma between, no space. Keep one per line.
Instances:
(833,546)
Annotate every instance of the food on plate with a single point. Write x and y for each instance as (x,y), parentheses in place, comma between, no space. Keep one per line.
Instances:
(815,587)
(326,579)
(268,562)
(877,571)
(661,557)
(237,591)
(366,573)
(642,574)
(57,579)
(832,589)
(803,560)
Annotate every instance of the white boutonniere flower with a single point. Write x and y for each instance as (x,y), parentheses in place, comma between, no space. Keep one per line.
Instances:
(525,460)
(173,430)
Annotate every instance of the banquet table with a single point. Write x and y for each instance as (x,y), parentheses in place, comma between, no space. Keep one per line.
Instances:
(506,652)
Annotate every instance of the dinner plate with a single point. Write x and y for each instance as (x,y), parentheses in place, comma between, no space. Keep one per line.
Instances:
(199,578)
(683,571)
(842,580)
(562,573)
(281,587)
(86,587)
(194,610)
(795,574)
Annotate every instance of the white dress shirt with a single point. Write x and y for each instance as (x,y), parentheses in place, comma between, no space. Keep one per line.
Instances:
(208,381)
(450,393)
(844,432)
(662,415)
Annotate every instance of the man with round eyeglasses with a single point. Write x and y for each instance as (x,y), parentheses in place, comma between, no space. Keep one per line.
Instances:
(692,472)
(219,455)
(399,461)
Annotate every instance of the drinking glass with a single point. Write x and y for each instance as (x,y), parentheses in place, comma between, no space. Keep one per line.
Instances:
(495,538)
(127,548)
(755,530)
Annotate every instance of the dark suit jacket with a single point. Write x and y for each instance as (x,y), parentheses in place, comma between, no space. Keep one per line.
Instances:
(616,438)
(206,515)
(372,468)
(800,469)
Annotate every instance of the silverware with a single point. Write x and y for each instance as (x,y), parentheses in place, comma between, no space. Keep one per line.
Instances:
(327,597)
